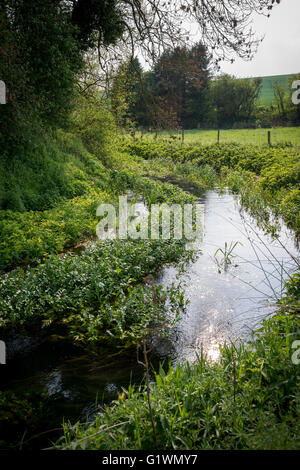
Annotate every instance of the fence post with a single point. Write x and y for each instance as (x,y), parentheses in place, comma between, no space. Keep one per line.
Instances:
(182,135)
(218,136)
(269,138)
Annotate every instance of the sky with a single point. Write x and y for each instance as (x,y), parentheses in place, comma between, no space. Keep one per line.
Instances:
(279,53)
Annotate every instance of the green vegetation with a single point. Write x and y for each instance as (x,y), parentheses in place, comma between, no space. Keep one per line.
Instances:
(248,400)
(64,150)
(42,52)
(179,93)
(69,188)
(232,102)
(97,296)
(98,290)
(93,297)
(255,172)
(32,236)
(22,415)
(100,295)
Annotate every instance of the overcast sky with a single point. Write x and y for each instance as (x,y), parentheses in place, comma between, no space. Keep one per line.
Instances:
(279,53)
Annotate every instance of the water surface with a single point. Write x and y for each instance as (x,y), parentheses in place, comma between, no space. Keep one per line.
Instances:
(226,302)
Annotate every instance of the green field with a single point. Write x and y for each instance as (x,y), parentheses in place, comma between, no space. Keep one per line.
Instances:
(240,136)
(267,89)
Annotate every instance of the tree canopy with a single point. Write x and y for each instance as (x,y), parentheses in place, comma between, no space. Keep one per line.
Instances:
(44,44)
(233,100)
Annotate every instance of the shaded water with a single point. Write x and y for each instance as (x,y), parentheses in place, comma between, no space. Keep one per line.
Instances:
(224,305)
(80,379)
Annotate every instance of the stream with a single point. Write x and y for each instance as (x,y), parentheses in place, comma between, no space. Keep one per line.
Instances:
(226,302)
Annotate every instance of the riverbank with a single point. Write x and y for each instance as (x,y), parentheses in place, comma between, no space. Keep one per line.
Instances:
(99,295)
(249,399)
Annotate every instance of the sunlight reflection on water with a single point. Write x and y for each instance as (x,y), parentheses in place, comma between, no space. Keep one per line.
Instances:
(227,305)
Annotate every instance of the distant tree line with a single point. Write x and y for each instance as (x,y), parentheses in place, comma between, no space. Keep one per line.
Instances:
(181,92)
(44,45)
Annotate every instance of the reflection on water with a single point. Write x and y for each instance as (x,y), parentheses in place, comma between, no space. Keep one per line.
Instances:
(226,305)
(72,377)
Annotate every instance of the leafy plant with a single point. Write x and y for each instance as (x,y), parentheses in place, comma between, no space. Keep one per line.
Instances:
(228,255)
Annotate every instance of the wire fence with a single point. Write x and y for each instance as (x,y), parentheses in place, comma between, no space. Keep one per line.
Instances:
(282,135)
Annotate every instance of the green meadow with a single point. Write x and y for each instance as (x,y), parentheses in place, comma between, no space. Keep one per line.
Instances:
(239,136)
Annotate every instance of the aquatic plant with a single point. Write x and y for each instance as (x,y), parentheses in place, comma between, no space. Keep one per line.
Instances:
(228,255)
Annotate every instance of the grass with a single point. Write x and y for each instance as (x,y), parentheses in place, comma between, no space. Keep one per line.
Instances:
(56,169)
(240,136)
(30,237)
